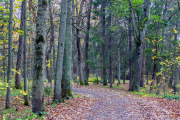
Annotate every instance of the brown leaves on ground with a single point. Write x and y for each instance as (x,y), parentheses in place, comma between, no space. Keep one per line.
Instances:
(71,109)
(98,102)
(134,107)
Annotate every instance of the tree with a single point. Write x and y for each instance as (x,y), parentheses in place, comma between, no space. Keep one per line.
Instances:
(139,37)
(79,27)
(87,43)
(39,58)
(8,95)
(66,76)
(103,18)
(60,55)
(18,77)
(25,60)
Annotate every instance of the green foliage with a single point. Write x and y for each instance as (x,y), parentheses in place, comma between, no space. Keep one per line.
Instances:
(137,3)
(155,18)
(95,81)
(47,90)
(172,97)
(92,79)
(81,83)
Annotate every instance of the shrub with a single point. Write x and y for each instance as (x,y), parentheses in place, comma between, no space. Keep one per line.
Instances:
(92,79)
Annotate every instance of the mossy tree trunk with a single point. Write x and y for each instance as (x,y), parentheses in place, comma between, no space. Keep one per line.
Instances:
(8,95)
(18,77)
(39,58)
(60,55)
(139,36)
(66,76)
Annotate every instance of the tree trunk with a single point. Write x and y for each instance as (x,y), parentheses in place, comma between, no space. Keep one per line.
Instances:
(8,95)
(104,43)
(110,52)
(25,61)
(119,66)
(130,59)
(18,77)
(87,43)
(66,76)
(60,55)
(143,66)
(81,80)
(139,39)
(74,54)
(176,79)
(124,74)
(39,59)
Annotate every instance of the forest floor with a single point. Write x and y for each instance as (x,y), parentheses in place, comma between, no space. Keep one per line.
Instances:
(97,102)
(106,103)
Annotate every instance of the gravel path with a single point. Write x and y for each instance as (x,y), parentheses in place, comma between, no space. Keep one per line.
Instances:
(117,105)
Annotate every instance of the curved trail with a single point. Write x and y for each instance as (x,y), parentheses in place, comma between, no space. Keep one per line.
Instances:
(118,105)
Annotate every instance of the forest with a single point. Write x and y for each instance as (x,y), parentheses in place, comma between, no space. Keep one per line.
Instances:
(89,59)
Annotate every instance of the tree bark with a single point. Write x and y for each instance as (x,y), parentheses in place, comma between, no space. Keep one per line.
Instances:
(60,55)
(124,74)
(39,59)
(8,95)
(66,76)
(87,43)
(25,60)
(81,80)
(130,59)
(74,54)
(119,66)
(176,79)
(110,52)
(104,42)
(139,39)
(18,77)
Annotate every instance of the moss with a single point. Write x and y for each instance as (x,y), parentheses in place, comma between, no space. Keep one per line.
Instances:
(86,83)
(63,99)
(38,67)
(69,93)
(40,39)
(143,23)
(81,83)
(44,2)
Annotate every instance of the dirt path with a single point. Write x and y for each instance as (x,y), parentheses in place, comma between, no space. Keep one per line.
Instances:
(118,105)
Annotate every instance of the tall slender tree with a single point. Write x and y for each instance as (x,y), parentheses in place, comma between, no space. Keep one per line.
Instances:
(103,18)
(39,58)
(66,76)
(25,60)
(18,77)
(60,55)
(8,95)
(87,43)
